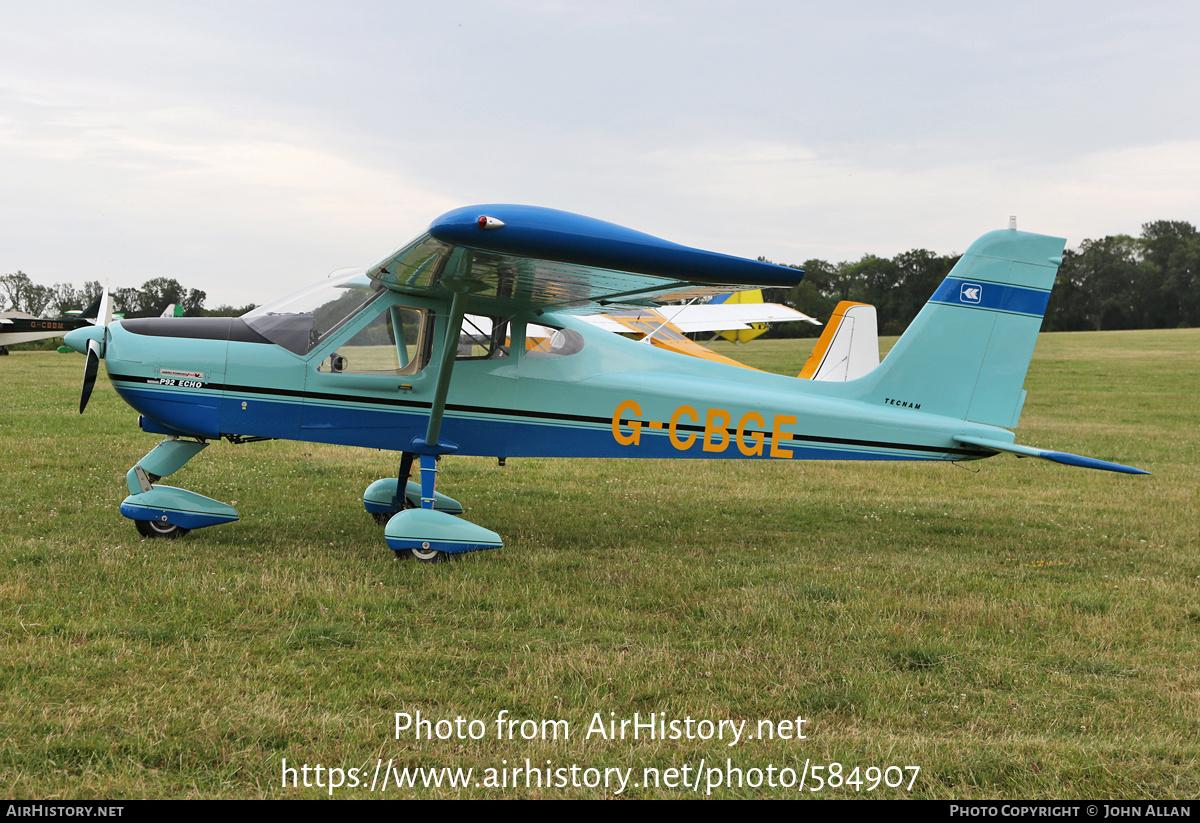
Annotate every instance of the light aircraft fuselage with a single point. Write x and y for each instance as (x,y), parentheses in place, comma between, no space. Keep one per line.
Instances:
(610,398)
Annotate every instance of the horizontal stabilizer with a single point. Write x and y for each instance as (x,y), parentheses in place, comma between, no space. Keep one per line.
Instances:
(1057,457)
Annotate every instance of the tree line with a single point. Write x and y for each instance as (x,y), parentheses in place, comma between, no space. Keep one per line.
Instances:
(1118,282)
(19,293)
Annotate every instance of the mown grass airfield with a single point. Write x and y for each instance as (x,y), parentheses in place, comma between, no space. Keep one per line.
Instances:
(1016,630)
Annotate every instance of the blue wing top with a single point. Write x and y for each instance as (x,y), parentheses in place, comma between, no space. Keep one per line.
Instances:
(536,258)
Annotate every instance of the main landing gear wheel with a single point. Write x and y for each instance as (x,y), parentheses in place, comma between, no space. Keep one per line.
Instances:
(423,555)
(382,518)
(159,528)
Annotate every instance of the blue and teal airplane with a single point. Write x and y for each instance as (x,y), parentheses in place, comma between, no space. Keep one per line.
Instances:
(468,340)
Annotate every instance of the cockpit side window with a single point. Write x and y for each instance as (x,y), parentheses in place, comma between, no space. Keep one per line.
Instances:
(395,342)
(483,338)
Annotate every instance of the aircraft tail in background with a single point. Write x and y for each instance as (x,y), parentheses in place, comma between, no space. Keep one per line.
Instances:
(92,310)
(99,311)
(849,345)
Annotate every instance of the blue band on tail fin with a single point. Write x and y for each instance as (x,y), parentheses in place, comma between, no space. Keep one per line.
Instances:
(994,296)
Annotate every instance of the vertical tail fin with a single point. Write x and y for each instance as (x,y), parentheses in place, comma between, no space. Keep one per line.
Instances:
(966,353)
(849,345)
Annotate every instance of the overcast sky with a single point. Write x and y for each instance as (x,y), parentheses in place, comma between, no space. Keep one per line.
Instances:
(248,148)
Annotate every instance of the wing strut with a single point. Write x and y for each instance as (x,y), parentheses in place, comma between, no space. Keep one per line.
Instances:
(429,446)
(445,369)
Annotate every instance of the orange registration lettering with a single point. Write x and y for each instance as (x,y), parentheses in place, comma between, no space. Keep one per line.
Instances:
(777,435)
(715,423)
(635,435)
(685,443)
(755,449)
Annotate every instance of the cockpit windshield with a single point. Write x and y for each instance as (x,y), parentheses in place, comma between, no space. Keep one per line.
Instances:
(302,319)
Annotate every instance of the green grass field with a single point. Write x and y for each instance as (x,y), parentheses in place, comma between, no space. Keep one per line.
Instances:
(1028,630)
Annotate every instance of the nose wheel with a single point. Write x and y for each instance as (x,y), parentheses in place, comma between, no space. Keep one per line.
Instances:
(159,528)
(423,555)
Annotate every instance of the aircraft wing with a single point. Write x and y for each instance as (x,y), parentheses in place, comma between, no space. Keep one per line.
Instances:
(726,316)
(22,327)
(657,331)
(610,324)
(511,258)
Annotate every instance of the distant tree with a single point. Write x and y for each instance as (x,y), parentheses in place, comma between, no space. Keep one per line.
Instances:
(1100,286)
(15,285)
(803,297)
(919,273)
(1173,230)
(898,288)
(160,292)
(1065,310)
(127,300)
(66,298)
(37,298)
(807,298)
(25,295)
(90,291)
(1171,274)
(816,295)
(229,311)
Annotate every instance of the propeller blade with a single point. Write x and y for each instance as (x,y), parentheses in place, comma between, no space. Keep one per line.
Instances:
(104,315)
(90,368)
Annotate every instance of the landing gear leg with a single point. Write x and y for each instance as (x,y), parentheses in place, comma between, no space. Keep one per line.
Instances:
(395,492)
(425,552)
(430,534)
(165,511)
(384,498)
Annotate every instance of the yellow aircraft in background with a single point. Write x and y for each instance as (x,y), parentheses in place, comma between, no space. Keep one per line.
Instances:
(847,349)
(739,317)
